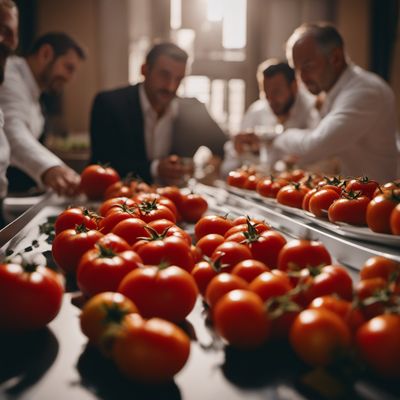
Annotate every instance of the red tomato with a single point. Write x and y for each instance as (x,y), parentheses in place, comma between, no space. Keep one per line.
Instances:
(160,200)
(239,317)
(192,207)
(319,336)
(292,195)
(249,269)
(212,224)
(230,253)
(351,209)
(237,178)
(168,228)
(150,351)
(269,187)
(298,254)
(171,192)
(202,273)
(366,186)
(117,214)
(73,216)
(208,243)
(268,285)
(253,226)
(70,245)
(116,203)
(130,229)
(379,210)
(222,284)
(152,210)
(30,296)
(251,182)
(128,188)
(244,219)
(95,179)
(395,220)
(305,205)
(379,267)
(379,345)
(168,293)
(321,200)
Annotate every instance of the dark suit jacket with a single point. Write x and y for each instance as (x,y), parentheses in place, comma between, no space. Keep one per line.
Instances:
(117,131)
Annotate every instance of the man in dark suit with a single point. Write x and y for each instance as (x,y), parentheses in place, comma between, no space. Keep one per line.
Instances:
(145,129)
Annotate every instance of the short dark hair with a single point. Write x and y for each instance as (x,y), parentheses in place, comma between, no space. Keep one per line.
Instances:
(272,67)
(167,49)
(60,42)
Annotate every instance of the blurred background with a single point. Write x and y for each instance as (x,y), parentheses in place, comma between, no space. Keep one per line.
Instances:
(226,40)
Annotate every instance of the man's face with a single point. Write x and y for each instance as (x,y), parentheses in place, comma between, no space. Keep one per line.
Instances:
(162,81)
(8,35)
(313,66)
(279,93)
(59,71)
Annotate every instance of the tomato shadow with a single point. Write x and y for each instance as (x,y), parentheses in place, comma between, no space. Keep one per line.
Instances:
(101,377)
(25,358)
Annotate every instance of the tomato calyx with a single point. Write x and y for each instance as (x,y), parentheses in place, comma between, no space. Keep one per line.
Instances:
(105,252)
(81,228)
(147,206)
(154,235)
(251,235)
(124,207)
(277,306)
(351,194)
(216,264)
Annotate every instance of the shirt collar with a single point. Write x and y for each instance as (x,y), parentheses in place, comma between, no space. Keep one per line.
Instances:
(30,79)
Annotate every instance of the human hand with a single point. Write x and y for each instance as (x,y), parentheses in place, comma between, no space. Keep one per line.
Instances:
(62,179)
(172,170)
(245,141)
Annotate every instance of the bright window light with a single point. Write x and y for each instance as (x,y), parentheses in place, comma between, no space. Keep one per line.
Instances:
(215,10)
(234,24)
(236,89)
(217,109)
(176,14)
(197,86)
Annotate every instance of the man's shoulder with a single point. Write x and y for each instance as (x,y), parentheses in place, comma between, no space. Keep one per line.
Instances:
(118,92)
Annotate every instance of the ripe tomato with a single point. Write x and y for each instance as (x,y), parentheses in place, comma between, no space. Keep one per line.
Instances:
(351,209)
(269,284)
(130,229)
(319,336)
(269,187)
(152,210)
(222,284)
(30,296)
(395,220)
(150,351)
(237,178)
(230,253)
(239,317)
(95,179)
(292,195)
(73,216)
(366,186)
(208,243)
(100,313)
(321,200)
(117,214)
(379,346)
(192,207)
(102,269)
(298,254)
(249,269)
(305,205)
(251,182)
(379,210)
(155,197)
(115,203)
(202,273)
(127,187)
(212,224)
(258,227)
(379,266)
(70,245)
(171,192)
(167,228)
(168,293)
(244,219)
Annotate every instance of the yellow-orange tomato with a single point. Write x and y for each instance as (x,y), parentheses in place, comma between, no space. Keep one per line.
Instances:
(151,351)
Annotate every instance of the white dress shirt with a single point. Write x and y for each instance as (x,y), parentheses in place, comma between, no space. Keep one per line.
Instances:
(19,100)
(4,158)
(358,127)
(157,131)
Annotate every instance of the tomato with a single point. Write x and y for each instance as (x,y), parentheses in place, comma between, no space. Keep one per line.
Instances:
(102,269)
(249,269)
(208,243)
(251,182)
(168,293)
(239,317)
(127,187)
(241,228)
(30,296)
(237,178)
(222,284)
(158,199)
(171,192)
(366,186)
(172,250)
(103,312)
(292,195)
(168,228)
(305,205)
(244,219)
(95,179)
(379,266)
(70,245)
(116,203)
(230,253)
(202,273)
(298,254)
(351,209)
(379,210)
(395,220)
(379,346)
(117,214)
(268,285)
(130,229)
(192,207)
(150,351)
(269,187)
(321,200)
(319,336)
(387,187)
(212,224)
(152,210)
(73,216)
(344,308)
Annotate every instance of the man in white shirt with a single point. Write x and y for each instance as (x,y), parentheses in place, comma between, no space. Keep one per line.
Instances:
(145,129)
(282,104)
(8,43)
(358,124)
(51,63)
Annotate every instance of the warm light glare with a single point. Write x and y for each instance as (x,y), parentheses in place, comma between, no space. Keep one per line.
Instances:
(234,24)
(215,10)
(176,14)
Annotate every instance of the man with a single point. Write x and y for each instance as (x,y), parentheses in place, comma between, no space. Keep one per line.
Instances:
(282,104)
(51,64)
(358,123)
(8,43)
(145,129)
